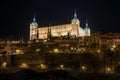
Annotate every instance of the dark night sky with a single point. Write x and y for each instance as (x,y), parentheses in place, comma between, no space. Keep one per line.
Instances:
(102,15)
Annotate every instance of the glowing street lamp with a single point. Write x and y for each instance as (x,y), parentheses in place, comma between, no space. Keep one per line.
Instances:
(43,66)
(83,68)
(113,46)
(98,51)
(61,66)
(4,64)
(38,50)
(109,70)
(56,51)
(18,51)
(45,40)
(112,49)
(24,65)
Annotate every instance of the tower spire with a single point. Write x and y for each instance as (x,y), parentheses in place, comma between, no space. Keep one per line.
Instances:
(34,19)
(75,20)
(75,15)
(87,29)
(86,25)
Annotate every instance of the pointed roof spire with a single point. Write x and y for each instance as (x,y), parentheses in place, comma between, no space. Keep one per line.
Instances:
(75,15)
(86,25)
(34,20)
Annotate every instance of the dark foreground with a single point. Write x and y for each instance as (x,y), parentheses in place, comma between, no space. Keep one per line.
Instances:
(56,75)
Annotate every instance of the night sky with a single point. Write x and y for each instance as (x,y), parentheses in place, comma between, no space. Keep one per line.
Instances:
(16,16)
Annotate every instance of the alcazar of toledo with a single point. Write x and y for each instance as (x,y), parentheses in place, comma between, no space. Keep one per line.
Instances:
(73,29)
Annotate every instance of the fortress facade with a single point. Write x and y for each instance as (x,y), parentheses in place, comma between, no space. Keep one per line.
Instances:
(72,29)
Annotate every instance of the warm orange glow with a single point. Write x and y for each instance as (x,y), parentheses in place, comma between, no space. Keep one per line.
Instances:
(108,69)
(43,66)
(113,46)
(56,51)
(38,50)
(83,68)
(4,64)
(45,40)
(24,65)
(18,51)
(98,51)
(61,66)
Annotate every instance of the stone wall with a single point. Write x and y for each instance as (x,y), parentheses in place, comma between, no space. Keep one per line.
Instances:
(84,62)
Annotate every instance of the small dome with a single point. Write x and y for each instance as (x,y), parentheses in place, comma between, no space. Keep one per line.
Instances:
(75,18)
(34,21)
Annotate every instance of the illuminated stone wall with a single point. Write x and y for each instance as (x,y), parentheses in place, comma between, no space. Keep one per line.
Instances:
(73,29)
(33,31)
(61,30)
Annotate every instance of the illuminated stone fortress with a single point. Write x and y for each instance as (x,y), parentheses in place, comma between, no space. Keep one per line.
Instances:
(73,29)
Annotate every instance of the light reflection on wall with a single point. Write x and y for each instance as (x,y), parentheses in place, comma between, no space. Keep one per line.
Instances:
(60,30)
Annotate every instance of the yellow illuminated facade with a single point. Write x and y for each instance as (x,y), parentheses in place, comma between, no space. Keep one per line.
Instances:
(33,29)
(72,29)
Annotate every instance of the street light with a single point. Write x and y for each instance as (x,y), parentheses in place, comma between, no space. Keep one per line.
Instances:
(113,46)
(83,68)
(43,66)
(18,51)
(24,65)
(56,51)
(109,70)
(61,67)
(98,51)
(4,64)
